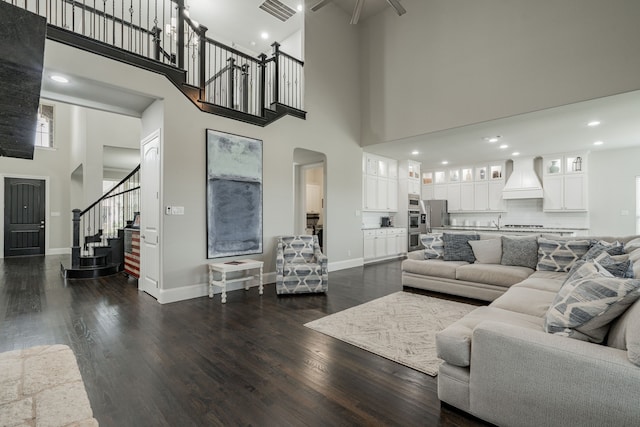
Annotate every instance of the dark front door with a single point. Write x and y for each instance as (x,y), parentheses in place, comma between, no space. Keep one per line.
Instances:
(24,214)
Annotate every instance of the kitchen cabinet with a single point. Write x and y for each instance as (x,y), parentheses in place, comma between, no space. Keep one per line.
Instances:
(565,193)
(440,192)
(384,243)
(467,197)
(496,202)
(467,189)
(565,183)
(413,177)
(481,196)
(453,197)
(380,182)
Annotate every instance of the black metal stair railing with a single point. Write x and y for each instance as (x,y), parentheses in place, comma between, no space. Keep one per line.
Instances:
(102,220)
(160,31)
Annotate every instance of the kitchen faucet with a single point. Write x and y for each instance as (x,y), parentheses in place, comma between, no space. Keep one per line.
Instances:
(497,224)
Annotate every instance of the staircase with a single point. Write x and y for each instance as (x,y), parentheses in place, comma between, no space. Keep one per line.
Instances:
(98,231)
(159,35)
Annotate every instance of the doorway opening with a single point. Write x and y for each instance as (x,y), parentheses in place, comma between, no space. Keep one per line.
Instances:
(310,173)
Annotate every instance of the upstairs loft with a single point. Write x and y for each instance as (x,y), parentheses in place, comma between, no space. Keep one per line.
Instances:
(160,36)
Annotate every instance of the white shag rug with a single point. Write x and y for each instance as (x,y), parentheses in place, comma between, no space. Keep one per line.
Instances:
(400,327)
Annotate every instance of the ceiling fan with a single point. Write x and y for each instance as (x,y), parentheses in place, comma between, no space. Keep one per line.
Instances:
(395,4)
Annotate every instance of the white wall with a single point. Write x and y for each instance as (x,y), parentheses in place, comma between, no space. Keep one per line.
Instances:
(332,128)
(51,164)
(447,63)
(612,175)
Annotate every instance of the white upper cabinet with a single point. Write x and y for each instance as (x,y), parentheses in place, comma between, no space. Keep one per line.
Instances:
(565,183)
(380,182)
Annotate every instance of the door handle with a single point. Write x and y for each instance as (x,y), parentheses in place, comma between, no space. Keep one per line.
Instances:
(42,226)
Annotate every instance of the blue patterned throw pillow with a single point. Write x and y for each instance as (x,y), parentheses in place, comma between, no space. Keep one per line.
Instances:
(457,247)
(560,255)
(588,302)
(598,247)
(433,245)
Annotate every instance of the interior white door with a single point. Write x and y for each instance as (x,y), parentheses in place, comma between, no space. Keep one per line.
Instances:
(150,216)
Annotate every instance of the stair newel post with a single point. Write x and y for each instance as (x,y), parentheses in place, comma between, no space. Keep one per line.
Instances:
(75,249)
(231,82)
(276,71)
(202,57)
(263,81)
(180,34)
(157,42)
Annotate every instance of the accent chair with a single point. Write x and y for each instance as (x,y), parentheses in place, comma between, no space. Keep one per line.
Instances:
(301,267)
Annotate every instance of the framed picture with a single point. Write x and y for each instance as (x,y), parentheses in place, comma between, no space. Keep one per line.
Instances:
(234,195)
(136,220)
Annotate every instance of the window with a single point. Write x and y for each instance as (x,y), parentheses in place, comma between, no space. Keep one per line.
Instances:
(637,204)
(44,129)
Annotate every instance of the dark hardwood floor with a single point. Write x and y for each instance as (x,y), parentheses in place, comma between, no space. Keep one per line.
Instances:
(202,363)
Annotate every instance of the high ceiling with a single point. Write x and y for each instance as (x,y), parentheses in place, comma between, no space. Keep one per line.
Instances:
(554,130)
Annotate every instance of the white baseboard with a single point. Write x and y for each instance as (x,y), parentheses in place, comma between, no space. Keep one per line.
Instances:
(59,251)
(199,290)
(343,265)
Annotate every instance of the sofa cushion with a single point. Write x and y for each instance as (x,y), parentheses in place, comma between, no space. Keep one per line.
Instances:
(453,344)
(432,267)
(559,255)
(548,284)
(487,251)
(493,274)
(457,248)
(625,333)
(520,251)
(632,245)
(534,302)
(433,245)
(588,301)
(553,275)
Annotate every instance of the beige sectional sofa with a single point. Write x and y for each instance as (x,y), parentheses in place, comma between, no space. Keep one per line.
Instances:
(502,366)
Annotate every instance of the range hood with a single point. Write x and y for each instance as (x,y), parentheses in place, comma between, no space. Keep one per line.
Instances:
(523,182)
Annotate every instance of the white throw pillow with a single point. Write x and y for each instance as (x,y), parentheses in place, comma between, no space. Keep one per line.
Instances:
(487,251)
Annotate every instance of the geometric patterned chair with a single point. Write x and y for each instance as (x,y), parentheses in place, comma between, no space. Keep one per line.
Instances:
(300,265)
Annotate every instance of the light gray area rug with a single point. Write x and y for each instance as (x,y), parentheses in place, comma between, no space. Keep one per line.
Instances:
(42,387)
(401,327)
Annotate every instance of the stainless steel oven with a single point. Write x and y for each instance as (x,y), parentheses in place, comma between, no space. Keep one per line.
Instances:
(414,221)
(414,241)
(414,202)
(415,228)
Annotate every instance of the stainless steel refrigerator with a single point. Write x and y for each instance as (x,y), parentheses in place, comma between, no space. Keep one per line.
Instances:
(435,214)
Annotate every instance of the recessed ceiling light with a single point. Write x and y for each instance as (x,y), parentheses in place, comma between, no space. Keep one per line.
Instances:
(415,152)
(515,153)
(492,138)
(299,8)
(598,143)
(253,43)
(444,162)
(593,123)
(59,79)
(503,146)
(264,35)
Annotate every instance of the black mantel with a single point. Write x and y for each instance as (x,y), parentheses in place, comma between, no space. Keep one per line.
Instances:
(22,36)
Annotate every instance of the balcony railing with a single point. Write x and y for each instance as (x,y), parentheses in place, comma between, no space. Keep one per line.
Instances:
(161,31)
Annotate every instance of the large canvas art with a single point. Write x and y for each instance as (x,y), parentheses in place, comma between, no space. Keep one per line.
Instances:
(234,195)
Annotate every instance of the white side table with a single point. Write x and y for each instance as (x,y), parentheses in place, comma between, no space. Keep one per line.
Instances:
(245,265)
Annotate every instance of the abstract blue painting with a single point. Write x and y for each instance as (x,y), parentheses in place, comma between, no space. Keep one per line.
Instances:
(234,195)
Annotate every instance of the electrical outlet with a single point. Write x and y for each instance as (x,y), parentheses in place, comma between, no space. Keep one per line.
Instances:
(349,252)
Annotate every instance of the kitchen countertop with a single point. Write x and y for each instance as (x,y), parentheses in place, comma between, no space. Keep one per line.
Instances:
(511,229)
(381,228)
